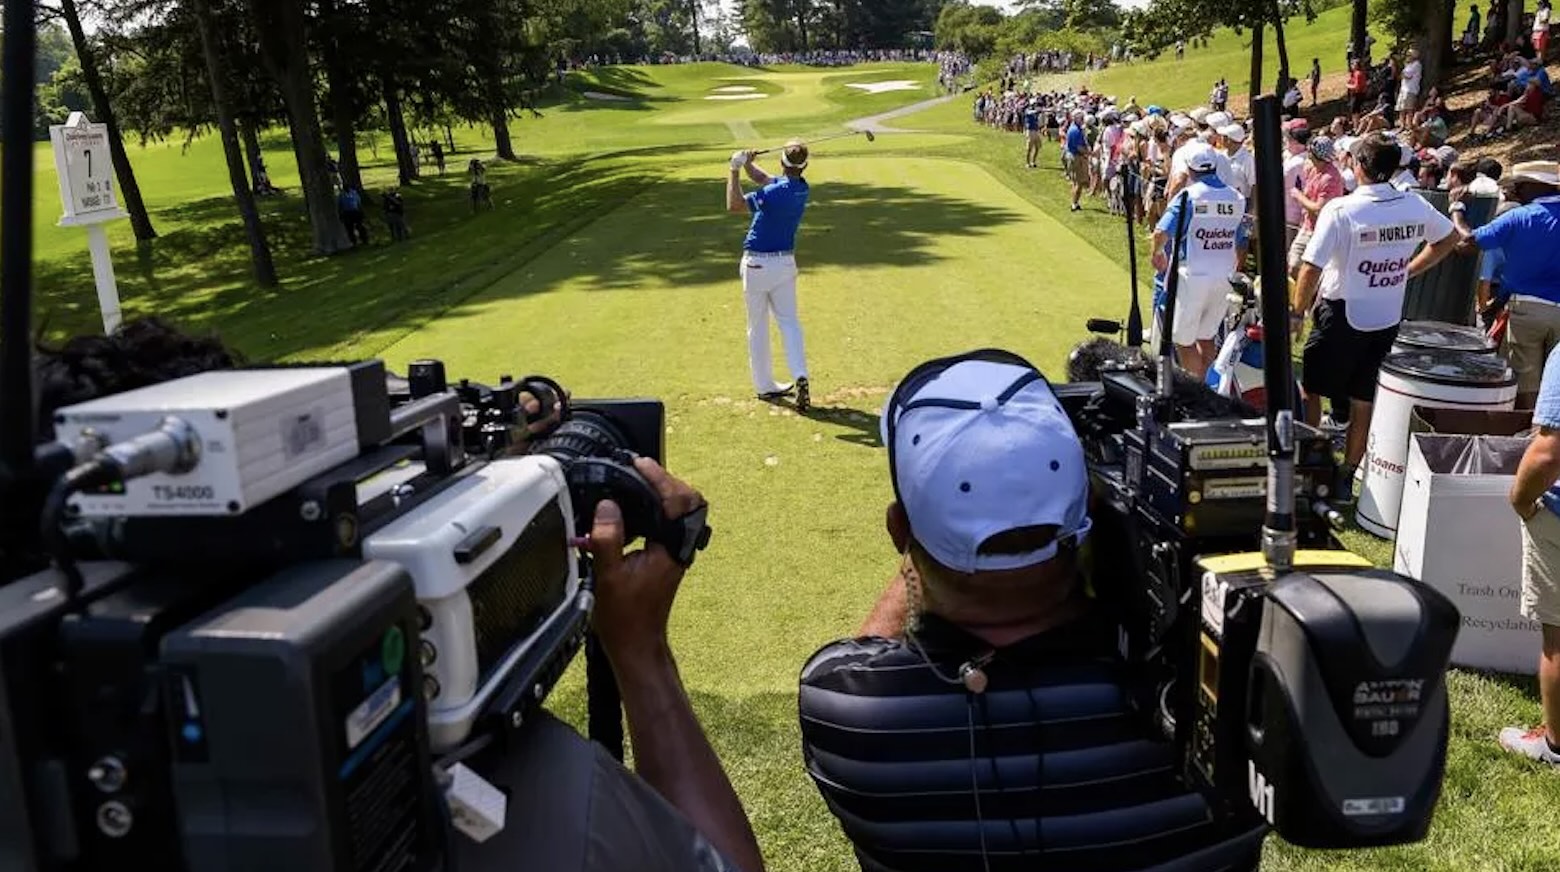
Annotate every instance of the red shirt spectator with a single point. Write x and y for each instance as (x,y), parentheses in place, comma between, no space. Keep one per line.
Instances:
(1532,101)
(1322,182)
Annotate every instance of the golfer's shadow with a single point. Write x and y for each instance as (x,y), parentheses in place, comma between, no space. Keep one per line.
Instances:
(861,427)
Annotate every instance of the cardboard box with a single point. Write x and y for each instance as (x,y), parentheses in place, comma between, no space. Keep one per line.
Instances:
(1458,534)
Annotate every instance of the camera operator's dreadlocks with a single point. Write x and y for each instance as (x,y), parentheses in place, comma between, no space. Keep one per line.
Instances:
(142,352)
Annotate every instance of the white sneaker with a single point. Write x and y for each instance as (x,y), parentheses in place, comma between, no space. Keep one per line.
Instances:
(1532,744)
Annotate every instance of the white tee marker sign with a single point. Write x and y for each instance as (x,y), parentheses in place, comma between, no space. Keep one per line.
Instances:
(89,197)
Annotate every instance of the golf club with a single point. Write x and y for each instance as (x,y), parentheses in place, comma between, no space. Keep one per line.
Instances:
(810,143)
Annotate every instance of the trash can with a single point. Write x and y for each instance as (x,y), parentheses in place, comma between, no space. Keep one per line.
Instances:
(1434,378)
(1445,292)
(1458,534)
(1425,335)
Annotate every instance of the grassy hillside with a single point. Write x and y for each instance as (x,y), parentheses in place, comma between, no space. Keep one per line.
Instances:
(1186,83)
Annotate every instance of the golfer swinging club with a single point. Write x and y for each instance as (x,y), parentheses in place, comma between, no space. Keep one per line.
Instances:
(769,265)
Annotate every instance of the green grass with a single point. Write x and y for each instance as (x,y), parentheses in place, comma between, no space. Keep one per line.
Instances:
(611,265)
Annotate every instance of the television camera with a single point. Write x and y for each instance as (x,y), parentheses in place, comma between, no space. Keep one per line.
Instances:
(1303,687)
(286,602)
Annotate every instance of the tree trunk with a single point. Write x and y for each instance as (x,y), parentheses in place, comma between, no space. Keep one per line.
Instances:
(343,118)
(449,139)
(1256,69)
(250,134)
(1513,21)
(1283,50)
(284,46)
(1359,32)
(129,190)
(801,24)
(1434,43)
(405,163)
(259,249)
(693,19)
(506,149)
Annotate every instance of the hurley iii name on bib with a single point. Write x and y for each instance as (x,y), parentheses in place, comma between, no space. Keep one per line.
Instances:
(1389,235)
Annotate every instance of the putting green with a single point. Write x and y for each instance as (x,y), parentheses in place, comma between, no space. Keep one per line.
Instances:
(902,259)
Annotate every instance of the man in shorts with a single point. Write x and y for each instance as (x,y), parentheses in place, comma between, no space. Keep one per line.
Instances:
(1075,153)
(1032,133)
(1535,496)
(1528,238)
(1212,245)
(1361,256)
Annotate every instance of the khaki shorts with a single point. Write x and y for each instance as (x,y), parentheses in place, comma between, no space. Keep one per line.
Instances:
(1533,331)
(1034,135)
(1078,169)
(1541,568)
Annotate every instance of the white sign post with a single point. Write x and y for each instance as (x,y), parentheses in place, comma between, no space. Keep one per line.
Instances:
(86,174)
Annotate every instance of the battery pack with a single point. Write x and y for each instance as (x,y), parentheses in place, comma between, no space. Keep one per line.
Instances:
(298,731)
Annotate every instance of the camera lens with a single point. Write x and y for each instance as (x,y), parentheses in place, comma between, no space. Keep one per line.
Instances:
(586,434)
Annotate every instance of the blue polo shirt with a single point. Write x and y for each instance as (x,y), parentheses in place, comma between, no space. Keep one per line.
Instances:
(777,214)
(1529,236)
(1076,142)
(1032,118)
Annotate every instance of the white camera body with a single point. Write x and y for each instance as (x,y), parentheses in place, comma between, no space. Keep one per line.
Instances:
(491,560)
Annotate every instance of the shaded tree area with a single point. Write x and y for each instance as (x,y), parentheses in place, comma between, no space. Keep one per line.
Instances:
(801,25)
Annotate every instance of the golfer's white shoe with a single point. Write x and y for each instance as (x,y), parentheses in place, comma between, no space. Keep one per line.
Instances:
(1533,744)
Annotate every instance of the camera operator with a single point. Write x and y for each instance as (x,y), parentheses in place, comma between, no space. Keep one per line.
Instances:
(588,813)
(1361,255)
(981,720)
(572,806)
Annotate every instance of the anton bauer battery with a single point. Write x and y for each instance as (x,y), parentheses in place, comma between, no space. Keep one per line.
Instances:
(1336,730)
(299,734)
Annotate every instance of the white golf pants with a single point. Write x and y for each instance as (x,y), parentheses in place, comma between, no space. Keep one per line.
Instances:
(769,287)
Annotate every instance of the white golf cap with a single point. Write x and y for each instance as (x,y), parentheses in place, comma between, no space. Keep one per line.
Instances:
(979,445)
(1233,131)
(1199,115)
(1200,159)
(1180,120)
(1218,119)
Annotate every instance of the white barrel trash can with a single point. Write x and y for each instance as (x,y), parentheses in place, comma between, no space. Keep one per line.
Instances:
(1429,335)
(1430,378)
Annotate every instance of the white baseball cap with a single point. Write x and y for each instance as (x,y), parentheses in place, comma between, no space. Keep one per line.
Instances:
(1200,158)
(1199,115)
(978,445)
(1218,119)
(1233,131)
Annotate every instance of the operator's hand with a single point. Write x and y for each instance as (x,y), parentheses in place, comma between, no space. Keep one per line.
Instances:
(634,592)
(740,159)
(533,413)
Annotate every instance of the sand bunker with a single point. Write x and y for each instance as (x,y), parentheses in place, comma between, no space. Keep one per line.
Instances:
(735,96)
(734,89)
(881,87)
(613,98)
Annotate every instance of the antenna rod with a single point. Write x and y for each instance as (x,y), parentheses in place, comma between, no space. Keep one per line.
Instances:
(1134,314)
(1278,527)
(17,425)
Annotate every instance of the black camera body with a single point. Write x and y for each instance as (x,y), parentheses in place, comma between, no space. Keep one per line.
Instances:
(1313,700)
(247,691)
